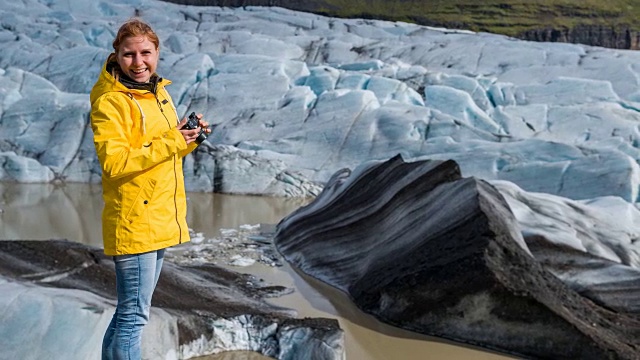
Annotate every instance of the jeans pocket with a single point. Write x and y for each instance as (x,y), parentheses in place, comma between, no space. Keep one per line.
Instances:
(141,201)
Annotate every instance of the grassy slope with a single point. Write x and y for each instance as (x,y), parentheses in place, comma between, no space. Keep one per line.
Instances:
(510,17)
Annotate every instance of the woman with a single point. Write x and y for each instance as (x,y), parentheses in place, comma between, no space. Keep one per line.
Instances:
(140,144)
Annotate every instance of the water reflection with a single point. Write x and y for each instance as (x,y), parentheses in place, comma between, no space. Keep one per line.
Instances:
(208,213)
(46,211)
(72,211)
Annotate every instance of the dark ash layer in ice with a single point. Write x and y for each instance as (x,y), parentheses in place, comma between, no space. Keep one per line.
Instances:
(424,249)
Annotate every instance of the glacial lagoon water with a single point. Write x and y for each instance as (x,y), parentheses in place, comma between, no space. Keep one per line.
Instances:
(72,212)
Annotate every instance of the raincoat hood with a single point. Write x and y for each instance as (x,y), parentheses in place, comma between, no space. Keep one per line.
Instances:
(107,83)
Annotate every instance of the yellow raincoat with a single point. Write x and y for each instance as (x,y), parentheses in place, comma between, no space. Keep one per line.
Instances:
(140,152)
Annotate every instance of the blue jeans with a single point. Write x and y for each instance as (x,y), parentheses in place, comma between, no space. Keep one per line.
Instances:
(136,278)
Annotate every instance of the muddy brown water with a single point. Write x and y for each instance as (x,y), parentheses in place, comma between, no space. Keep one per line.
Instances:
(72,211)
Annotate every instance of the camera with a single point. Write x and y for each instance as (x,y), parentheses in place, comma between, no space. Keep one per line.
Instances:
(192,123)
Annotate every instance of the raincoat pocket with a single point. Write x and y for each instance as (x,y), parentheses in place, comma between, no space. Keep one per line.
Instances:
(142,201)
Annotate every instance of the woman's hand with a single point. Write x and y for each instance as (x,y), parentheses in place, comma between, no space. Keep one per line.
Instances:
(191,135)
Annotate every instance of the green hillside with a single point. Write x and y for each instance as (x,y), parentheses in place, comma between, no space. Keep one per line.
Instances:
(608,23)
(509,17)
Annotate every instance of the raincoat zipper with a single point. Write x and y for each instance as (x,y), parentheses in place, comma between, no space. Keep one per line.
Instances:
(175,175)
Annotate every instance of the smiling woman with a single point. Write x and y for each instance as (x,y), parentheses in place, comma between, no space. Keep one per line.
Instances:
(140,143)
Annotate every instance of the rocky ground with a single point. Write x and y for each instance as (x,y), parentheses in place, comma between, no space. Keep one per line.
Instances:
(245,246)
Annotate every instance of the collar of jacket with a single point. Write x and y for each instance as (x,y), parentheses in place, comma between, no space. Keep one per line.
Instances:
(151,85)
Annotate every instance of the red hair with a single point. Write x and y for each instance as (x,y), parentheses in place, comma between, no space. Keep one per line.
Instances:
(132,28)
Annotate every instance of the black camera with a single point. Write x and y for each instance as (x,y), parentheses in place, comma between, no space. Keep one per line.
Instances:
(191,124)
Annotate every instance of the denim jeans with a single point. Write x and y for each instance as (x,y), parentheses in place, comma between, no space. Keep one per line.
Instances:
(136,278)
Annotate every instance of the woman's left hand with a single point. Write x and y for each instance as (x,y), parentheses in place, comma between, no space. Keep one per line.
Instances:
(203,124)
(191,135)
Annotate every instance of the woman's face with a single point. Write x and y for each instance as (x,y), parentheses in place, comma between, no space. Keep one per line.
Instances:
(138,58)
